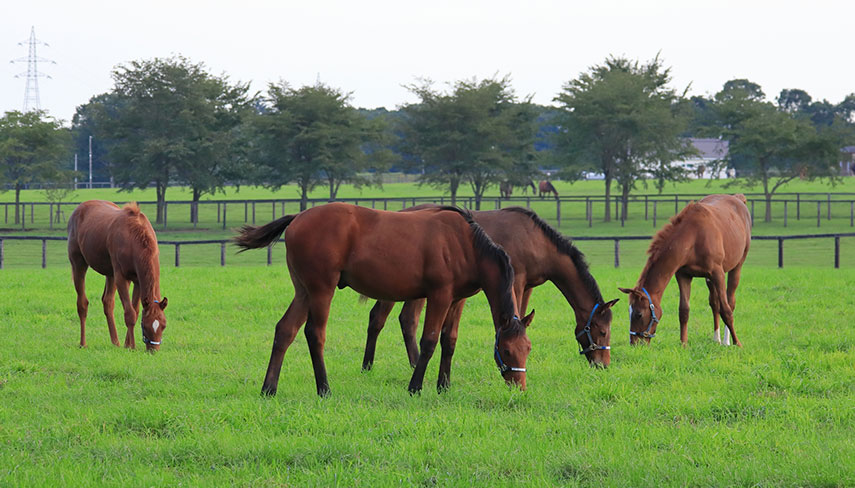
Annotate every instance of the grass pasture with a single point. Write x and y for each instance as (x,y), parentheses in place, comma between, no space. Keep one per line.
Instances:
(778,412)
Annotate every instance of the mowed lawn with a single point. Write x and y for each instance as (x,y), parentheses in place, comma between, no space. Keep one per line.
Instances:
(778,412)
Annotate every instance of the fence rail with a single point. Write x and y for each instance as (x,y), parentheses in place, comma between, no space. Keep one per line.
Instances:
(616,239)
(656,208)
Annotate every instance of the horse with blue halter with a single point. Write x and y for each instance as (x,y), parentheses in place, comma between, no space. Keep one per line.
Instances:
(120,244)
(707,239)
(441,255)
(538,253)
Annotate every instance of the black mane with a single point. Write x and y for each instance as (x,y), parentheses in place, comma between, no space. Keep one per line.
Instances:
(487,247)
(564,246)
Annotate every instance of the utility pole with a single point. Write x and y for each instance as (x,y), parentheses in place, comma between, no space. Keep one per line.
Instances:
(31,92)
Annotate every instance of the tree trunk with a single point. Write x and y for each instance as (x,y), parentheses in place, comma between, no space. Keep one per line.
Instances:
(479,193)
(18,203)
(768,216)
(333,189)
(161,202)
(194,208)
(608,212)
(454,185)
(624,201)
(304,196)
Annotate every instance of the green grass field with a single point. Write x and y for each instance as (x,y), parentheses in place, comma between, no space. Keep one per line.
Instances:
(777,412)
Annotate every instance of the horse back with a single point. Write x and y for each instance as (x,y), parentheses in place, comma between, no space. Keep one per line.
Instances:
(725,221)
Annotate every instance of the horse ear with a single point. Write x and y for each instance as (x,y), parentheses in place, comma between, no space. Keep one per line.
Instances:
(609,305)
(629,291)
(528,318)
(163,303)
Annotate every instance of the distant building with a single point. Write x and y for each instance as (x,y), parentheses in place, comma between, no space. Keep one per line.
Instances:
(710,153)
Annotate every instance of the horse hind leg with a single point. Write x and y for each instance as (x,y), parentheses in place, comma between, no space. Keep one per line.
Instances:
(409,320)
(715,313)
(108,299)
(685,284)
(376,320)
(78,276)
(286,331)
(723,305)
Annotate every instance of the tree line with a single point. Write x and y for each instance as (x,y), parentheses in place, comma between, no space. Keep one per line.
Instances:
(169,121)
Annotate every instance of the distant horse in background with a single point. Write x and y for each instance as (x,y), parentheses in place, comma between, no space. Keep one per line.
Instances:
(441,255)
(538,254)
(506,189)
(121,245)
(545,187)
(529,184)
(700,170)
(706,239)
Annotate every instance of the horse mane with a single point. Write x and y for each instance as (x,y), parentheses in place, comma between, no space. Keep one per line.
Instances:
(138,229)
(485,246)
(660,240)
(565,246)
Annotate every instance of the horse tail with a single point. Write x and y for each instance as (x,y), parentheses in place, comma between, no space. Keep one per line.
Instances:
(251,237)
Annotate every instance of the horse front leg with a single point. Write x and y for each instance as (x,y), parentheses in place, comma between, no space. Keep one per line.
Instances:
(448,342)
(685,284)
(108,300)
(437,309)
(376,320)
(123,287)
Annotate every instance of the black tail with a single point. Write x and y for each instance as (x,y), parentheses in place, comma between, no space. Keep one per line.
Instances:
(255,237)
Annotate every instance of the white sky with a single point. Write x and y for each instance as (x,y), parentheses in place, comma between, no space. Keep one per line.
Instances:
(373,47)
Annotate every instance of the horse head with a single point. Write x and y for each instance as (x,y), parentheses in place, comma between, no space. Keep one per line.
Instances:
(644,315)
(153,322)
(595,336)
(512,348)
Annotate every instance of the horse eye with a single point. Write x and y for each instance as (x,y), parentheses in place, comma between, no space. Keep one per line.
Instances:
(507,352)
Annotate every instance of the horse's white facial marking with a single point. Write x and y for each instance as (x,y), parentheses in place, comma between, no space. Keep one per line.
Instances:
(155,325)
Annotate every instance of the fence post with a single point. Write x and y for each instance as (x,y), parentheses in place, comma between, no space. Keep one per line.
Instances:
(32,213)
(384,204)
(273,210)
(798,206)
(829,207)
(752,213)
(269,255)
(177,254)
(224,215)
(645,207)
(165,206)
(818,214)
(836,252)
(1,253)
(655,205)
(617,253)
(590,212)
(222,254)
(218,211)
(852,214)
(7,214)
(528,202)
(44,253)
(245,211)
(780,252)
(558,211)
(676,205)
(253,213)
(785,213)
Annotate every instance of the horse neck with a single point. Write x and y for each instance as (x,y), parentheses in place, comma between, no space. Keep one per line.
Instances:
(148,273)
(658,272)
(499,294)
(565,276)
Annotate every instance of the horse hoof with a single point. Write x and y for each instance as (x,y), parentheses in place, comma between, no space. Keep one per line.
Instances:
(268,392)
(415,391)
(366,367)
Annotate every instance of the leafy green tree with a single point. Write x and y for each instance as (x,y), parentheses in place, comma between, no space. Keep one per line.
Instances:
(621,118)
(169,121)
(793,100)
(313,136)
(479,134)
(32,148)
(776,146)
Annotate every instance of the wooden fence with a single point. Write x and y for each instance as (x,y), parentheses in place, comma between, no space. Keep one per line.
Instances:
(656,208)
(616,239)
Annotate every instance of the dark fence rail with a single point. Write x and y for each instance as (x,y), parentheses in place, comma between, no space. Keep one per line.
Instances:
(656,208)
(616,239)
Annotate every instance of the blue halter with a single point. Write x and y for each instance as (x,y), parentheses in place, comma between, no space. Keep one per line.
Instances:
(503,368)
(592,346)
(653,320)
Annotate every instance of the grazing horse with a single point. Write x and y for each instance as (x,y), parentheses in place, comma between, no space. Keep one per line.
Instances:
(506,188)
(538,254)
(441,255)
(706,239)
(120,244)
(545,187)
(527,185)
(700,170)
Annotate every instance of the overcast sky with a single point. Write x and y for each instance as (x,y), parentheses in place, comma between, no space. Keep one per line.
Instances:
(371,47)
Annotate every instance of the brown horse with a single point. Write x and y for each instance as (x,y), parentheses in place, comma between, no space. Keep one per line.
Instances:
(506,189)
(121,245)
(545,187)
(706,239)
(538,254)
(441,255)
(528,184)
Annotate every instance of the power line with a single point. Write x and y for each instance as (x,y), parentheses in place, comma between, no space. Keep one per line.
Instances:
(31,92)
